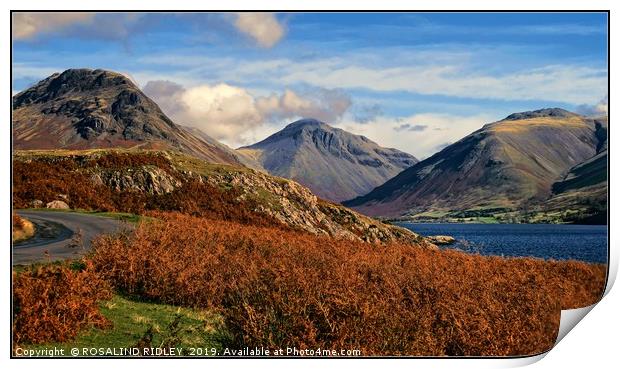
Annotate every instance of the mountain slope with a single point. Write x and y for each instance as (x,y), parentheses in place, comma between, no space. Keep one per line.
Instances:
(502,165)
(581,196)
(589,173)
(334,164)
(239,156)
(85,108)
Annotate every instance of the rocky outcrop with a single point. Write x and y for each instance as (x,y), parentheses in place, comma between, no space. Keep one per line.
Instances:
(441,240)
(57,204)
(149,179)
(296,206)
(160,172)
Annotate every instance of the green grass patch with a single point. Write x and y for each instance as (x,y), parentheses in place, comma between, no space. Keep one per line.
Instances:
(128,217)
(131,320)
(431,214)
(195,165)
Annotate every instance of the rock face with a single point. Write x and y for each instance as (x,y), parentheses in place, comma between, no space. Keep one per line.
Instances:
(296,206)
(149,179)
(85,109)
(334,164)
(57,204)
(503,165)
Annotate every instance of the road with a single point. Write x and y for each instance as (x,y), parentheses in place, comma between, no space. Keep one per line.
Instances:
(56,234)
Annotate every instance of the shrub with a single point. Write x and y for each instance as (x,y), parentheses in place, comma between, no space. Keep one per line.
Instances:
(277,288)
(21,228)
(53,302)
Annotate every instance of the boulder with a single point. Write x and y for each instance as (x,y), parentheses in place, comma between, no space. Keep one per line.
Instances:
(57,204)
(441,240)
(36,204)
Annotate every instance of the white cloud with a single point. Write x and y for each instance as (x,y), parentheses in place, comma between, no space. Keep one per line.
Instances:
(600,108)
(232,114)
(440,129)
(323,104)
(566,83)
(264,28)
(28,25)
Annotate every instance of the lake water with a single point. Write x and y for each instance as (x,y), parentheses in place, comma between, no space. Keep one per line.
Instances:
(547,241)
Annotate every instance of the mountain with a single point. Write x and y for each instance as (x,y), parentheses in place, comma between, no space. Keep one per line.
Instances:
(334,164)
(501,166)
(581,195)
(86,109)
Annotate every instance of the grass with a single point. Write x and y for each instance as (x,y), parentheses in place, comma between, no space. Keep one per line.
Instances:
(131,319)
(128,217)
(195,165)
(523,125)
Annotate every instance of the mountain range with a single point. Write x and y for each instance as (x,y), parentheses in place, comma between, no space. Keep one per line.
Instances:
(549,159)
(85,109)
(519,160)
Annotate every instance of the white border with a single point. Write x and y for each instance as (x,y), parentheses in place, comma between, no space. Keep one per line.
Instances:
(592,343)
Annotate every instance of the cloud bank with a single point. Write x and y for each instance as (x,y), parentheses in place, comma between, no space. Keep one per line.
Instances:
(27,26)
(233,115)
(263,28)
(598,109)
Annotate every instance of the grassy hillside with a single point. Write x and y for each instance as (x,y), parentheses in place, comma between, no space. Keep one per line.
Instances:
(141,181)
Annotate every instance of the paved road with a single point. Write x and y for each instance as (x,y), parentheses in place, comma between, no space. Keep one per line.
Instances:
(56,231)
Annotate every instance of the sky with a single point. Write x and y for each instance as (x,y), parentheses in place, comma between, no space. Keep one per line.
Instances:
(413,81)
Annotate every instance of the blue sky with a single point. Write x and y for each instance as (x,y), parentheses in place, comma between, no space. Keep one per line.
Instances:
(241,77)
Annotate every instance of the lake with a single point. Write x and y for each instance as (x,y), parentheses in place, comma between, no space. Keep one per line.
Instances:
(547,241)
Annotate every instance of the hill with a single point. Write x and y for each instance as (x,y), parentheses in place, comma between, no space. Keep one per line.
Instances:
(144,181)
(334,164)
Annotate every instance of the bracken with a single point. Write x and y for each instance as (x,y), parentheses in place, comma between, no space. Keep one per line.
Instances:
(44,179)
(277,288)
(53,302)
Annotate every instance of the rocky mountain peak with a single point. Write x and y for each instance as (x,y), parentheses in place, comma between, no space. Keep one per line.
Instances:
(72,82)
(332,162)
